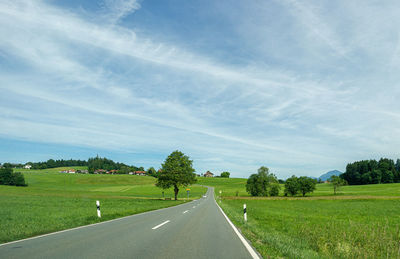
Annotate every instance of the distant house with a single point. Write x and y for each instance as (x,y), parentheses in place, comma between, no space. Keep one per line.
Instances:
(28,166)
(208,174)
(138,173)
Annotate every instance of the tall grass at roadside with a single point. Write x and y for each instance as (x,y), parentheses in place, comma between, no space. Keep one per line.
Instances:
(320,228)
(361,222)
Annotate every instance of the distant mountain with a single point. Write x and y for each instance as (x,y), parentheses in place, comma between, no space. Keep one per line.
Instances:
(328,175)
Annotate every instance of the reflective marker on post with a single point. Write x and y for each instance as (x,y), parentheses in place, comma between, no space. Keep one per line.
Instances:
(245,213)
(98,209)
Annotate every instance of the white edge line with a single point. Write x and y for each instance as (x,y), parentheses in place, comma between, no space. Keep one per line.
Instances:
(165,222)
(244,241)
(90,225)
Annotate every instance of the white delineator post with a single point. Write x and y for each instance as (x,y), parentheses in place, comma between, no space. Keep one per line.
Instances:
(245,212)
(98,209)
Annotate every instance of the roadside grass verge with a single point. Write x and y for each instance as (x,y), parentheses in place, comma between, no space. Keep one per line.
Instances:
(360,222)
(54,201)
(319,228)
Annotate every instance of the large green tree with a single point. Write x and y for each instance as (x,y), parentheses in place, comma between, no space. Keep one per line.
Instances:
(176,171)
(263,183)
(306,184)
(291,186)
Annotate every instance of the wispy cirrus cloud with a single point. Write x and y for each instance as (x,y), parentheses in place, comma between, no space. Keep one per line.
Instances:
(69,79)
(115,10)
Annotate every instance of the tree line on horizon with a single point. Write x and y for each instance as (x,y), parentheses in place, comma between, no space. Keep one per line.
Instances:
(372,172)
(93,164)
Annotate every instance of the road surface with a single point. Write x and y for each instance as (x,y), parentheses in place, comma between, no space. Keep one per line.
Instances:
(196,229)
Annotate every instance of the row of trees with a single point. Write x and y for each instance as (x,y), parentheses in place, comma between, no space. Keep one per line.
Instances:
(51,163)
(372,172)
(7,177)
(93,164)
(265,183)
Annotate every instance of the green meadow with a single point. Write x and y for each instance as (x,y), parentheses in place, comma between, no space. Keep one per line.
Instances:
(360,222)
(229,187)
(54,201)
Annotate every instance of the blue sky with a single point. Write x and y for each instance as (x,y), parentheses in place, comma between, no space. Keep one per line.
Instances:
(302,87)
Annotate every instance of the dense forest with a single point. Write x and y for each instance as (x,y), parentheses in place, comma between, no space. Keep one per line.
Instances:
(51,163)
(372,172)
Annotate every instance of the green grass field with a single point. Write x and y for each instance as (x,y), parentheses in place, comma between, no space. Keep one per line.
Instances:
(54,201)
(229,187)
(361,222)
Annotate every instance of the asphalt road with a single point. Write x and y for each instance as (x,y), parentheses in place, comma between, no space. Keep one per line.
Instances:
(196,229)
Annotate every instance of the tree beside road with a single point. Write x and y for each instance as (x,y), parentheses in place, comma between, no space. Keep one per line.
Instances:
(176,171)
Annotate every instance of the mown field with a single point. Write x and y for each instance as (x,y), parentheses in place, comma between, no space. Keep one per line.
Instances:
(55,201)
(361,222)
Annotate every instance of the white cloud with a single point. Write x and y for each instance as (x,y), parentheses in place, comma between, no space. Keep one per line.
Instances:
(74,81)
(115,10)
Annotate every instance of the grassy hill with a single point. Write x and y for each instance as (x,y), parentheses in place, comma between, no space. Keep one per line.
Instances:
(54,201)
(361,222)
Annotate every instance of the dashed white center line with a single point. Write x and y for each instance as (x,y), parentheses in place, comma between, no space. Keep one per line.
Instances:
(194,207)
(185,211)
(165,222)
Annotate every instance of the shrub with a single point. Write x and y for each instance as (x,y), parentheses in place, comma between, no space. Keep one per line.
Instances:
(7,177)
(18,179)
